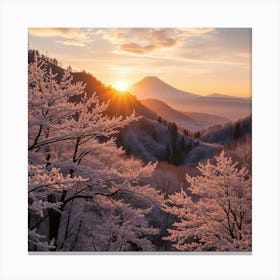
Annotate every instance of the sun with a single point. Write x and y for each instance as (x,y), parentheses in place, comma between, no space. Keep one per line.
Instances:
(121,85)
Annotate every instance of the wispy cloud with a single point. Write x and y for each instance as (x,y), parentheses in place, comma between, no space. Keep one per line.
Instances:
(136,48)
(225,45)
(71,36)
(51,32)
(71,43)
(144,40)
(201,45)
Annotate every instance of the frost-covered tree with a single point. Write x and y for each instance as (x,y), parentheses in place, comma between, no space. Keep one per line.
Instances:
(82,188)
(41,184)
(219,218)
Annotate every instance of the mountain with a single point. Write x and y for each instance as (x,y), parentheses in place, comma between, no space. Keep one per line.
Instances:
(119,104)
(229,132)
(207,120)
(190,120)
(218,95)
(229,107)
(153,87)
(154,141)
(165,111)
(146,138)
(234,137)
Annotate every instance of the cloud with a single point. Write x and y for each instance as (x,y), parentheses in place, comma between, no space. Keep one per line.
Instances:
(136,48)
(71,43)
(231,45)
(194,32)
(71,36)
(202,45)
(144,40)
(51,32)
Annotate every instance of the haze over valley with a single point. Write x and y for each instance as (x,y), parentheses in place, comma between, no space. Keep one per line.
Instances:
(230,107)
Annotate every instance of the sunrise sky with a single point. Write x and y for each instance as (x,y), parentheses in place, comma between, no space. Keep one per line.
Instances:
(197,60)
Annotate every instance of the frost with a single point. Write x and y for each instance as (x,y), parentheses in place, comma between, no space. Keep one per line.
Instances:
(221,218)
(82,189)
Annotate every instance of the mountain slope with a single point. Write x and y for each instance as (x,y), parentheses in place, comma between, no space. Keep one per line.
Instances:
(119,104)
(153,87)
(189,120)
(165,111)
(229,133)
(229,107)
(146,138)
(218,95)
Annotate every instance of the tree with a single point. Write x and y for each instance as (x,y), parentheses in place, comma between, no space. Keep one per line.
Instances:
(186,132)
(83,191)
(173,129)
(237,131)
(41,184)
(182,143)
(221,218)
(197,134)
(176,153)
(168,153)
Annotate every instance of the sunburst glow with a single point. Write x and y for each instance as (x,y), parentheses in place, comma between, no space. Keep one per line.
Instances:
(121,85)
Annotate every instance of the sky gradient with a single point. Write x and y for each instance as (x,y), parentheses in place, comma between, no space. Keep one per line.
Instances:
(197,60)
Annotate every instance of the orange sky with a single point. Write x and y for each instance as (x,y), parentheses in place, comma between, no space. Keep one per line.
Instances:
(198,60)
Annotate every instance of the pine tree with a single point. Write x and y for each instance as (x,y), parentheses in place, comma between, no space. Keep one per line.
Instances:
(237,131)
(197,134)
(174,129)
(182,143)
(168,154)
(186,132)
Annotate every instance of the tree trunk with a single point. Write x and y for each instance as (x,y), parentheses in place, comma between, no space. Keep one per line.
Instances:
(54,221)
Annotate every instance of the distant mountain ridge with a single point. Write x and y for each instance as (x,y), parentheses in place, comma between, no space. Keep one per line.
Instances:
(147,138)
(164,110)
(226,106)
(187,120)
(219,95)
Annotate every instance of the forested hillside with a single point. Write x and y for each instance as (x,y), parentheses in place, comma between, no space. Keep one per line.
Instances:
(169,143)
